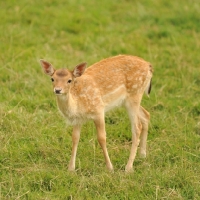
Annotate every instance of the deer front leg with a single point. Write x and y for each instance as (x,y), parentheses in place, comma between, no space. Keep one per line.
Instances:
(101,136)
(75,140)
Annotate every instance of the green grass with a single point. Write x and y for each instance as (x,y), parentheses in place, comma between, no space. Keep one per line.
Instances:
(35,144)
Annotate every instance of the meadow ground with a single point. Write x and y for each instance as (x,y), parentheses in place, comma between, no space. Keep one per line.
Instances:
(35,143)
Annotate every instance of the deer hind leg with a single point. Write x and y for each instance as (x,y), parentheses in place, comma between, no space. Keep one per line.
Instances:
(144,117)
(132,106)
(75,141)
(101,136)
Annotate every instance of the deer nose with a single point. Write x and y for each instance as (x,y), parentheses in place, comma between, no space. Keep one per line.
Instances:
(57,90)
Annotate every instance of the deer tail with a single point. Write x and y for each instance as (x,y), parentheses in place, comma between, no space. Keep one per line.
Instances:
(149,85)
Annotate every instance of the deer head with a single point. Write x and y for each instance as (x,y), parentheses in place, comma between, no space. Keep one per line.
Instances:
(62,79)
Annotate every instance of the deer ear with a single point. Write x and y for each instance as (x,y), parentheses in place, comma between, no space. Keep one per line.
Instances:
(47,67)
(79,69)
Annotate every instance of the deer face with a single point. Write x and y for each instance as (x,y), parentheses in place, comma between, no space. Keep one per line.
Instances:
(62,79)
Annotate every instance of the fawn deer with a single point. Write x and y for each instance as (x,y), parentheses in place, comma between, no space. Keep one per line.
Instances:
(84,94)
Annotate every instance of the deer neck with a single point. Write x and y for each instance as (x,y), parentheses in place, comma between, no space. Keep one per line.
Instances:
(67,104)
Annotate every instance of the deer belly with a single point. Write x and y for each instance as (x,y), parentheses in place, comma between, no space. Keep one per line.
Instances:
(114,98)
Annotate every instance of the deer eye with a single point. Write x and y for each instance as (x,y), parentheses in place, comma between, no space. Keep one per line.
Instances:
(52,79)
(69,81)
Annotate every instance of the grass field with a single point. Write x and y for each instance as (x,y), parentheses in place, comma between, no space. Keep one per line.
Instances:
(35,144)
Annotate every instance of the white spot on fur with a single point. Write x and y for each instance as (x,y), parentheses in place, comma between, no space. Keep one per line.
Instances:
(134,86)
(140,79)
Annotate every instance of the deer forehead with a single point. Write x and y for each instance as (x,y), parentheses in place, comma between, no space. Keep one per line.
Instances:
(62,75)
(62,72)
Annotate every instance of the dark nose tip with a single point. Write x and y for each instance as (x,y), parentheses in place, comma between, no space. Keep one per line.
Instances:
(57,91)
